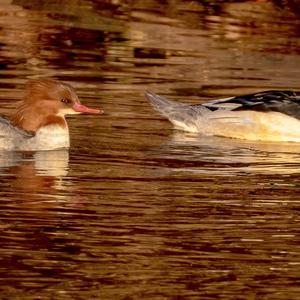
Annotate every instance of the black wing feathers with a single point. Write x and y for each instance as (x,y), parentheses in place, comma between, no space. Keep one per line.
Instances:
(286,102)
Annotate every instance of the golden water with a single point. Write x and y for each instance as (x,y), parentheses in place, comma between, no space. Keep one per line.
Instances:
(136,210)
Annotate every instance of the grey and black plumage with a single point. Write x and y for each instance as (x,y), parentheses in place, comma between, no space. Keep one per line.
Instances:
(269,115)
(5,121)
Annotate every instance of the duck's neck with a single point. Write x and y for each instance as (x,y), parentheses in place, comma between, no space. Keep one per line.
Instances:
(31,118)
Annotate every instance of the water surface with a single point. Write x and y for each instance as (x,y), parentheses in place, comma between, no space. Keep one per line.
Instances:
(135,209)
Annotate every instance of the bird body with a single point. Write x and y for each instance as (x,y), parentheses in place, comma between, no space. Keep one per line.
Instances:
(267,116)
(39,123)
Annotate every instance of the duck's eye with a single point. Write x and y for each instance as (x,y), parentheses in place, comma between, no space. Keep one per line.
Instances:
(65,100)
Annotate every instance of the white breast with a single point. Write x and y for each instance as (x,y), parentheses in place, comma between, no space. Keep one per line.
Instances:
(47,138)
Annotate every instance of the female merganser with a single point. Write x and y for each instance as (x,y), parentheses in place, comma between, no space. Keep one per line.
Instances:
(38,123)
(266,116)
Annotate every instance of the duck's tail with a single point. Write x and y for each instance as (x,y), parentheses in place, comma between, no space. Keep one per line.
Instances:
(183,116)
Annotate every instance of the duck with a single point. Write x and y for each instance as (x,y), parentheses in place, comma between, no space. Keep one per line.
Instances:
(38,122)
(272,115)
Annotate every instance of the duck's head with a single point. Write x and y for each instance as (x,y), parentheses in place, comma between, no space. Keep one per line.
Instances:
(47,102)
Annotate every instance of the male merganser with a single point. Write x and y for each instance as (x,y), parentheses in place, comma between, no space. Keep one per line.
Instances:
(38,123)
(267,116)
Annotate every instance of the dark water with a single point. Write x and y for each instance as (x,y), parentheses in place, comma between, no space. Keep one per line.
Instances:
(136,210)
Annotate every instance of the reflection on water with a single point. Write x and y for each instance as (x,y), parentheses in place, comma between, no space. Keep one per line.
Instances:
(136,210)
(221,156)
(33,174)
(52,163)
